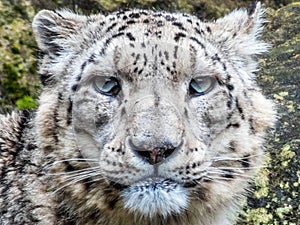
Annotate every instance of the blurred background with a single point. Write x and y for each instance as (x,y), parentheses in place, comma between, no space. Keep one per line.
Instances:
(274,198)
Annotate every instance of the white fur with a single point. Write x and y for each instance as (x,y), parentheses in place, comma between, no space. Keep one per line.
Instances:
(156,197)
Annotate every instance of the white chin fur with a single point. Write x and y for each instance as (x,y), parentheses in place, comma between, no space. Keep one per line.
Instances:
(156,197)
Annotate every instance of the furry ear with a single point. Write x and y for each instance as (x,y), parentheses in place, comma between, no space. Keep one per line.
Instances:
(238,33)
(51,29)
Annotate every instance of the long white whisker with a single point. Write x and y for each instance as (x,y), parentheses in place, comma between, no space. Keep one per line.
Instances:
(74,181)
(76,171)
(75,159)
(231,173)
(216,159)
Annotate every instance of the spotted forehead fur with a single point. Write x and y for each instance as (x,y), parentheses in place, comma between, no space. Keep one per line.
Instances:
(233,37)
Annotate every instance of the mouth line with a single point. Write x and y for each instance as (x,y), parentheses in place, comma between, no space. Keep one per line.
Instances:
(121,187)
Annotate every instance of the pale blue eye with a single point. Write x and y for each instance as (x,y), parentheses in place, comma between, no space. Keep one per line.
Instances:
(201,85)
(107,85)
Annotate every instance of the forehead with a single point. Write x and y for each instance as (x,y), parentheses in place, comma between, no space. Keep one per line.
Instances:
(144,43)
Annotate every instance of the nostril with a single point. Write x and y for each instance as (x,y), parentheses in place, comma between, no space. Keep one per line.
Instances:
(156,155)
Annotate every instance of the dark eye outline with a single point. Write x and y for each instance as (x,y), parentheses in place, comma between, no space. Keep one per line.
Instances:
(104,81)
(198,83)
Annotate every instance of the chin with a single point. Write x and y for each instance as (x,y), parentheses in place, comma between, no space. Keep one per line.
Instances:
(156,197)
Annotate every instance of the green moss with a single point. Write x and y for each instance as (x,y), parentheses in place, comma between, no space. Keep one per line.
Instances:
(18,76)
(26,102)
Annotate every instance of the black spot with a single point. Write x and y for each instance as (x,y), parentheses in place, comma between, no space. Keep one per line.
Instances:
(174,64)
(146,21)
(229,104)
(92,58)
(69,167)
(83,65)
(157,15)
(228,173)
(69,112)
(74,87)
(220,82)
(197,41)
(134,15)
(189,21)
(240,109)
(111,27)
(131,22)
(122,28)
(88,183)
(245,161)
(137,59)
(216,57)
(234,125)
(130,36)
(251,125)
(160,23)
(47,79)
(208,30)
(179,25)
(201,32)
(170,18)
(175,51)
(117,35)
(140,71)
(178,36)
(145,60)
(78,78)
(60,97)
(230,87)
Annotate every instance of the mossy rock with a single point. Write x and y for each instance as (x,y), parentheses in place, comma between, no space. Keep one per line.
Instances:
(18,77)
(276,197)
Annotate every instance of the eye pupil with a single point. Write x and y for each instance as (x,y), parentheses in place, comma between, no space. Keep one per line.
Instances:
(201,86)
(107,85)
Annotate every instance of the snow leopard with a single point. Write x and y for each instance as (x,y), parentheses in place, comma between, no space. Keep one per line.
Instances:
(144,117)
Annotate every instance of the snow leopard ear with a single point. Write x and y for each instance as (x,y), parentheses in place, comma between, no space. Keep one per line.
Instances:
(238,33)
(51,29)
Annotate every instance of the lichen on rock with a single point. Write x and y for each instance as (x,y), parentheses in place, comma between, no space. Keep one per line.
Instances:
(276,199)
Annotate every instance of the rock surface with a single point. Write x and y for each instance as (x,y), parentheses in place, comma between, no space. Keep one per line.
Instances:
(276,198)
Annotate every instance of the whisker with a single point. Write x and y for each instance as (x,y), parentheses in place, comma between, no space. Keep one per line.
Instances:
(76,171)
(75,159)
(240,168)
(216,159)
(219,179)
(231,173)
(74,181)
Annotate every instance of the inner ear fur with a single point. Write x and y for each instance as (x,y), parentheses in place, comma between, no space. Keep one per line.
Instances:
(51,29)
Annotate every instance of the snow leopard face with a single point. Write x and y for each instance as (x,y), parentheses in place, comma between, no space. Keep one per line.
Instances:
(151,115)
